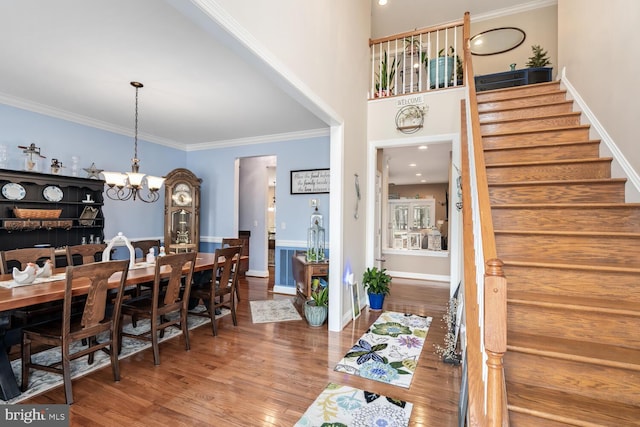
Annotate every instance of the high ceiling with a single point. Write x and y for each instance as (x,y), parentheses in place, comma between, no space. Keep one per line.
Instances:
(74,59)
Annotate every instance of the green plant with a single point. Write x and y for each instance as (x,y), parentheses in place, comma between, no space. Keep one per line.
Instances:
(412,45)
(539,58)
(376,281)
(321,297)
(387,73)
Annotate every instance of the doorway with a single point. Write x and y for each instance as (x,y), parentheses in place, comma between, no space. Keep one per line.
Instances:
(256,209)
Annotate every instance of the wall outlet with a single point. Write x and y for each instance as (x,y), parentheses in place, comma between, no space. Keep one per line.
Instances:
(313,203)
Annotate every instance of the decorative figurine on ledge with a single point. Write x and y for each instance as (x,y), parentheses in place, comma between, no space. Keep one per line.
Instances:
(32,155)
(26,276)
(56,165)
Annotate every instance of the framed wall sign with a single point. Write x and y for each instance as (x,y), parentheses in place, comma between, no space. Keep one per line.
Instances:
(310,181)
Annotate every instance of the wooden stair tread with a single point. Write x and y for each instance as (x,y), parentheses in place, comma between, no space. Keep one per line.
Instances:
(519,88)
(583,267)
(550,162)
(619,307)
(568,205)
(569,233)
(525,107)
(570,408)
(590,352)
(556,145)
(525,131)
(560,182)
(520,119)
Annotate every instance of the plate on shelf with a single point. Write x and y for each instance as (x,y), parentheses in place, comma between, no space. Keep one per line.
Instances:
(13,191)
(52,193)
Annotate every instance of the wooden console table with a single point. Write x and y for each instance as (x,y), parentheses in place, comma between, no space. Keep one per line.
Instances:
(304,272)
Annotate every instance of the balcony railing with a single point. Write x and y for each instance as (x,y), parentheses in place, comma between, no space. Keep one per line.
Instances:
(417,61)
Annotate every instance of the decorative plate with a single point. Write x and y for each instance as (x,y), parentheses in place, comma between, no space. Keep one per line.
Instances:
(13,191)
(52,193)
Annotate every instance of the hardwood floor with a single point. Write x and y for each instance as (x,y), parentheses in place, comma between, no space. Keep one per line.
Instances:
(260,374)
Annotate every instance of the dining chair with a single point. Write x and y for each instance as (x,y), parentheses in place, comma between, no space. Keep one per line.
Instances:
(219,292)
(21,257)
(98,318)
(85,254)
(144,245)
(226,242)
(167,303)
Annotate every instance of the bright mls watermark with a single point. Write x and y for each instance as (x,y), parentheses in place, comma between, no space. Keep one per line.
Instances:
(35,415)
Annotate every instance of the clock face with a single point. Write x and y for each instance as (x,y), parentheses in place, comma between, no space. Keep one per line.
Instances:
(182,195)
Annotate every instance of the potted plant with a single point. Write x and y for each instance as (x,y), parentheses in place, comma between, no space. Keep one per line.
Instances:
(385,79)
(316,309)
(539,60)
(411,45)
(441,67)
(376,282)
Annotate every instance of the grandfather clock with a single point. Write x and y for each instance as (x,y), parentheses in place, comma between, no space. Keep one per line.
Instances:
(181,211)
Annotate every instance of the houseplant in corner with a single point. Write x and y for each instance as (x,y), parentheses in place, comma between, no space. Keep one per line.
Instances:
(317,308)
(540,73)
(376,282)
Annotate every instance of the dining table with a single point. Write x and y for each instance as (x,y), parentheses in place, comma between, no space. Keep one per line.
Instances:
(14,297)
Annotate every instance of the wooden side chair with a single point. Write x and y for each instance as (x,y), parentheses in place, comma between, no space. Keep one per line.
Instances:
(142,247)
(167,303)
(221,290)
(85,254)
(240,265)
(21,257)
(95,320)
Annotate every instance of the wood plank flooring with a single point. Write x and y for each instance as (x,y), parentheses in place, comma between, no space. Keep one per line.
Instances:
(260,374)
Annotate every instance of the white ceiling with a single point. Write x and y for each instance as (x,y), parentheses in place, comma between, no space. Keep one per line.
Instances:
(74,59)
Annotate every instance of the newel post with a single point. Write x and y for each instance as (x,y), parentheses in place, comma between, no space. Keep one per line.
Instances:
(495,339)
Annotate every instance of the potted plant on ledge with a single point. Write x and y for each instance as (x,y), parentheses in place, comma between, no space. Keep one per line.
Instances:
(316,309)
(538,63)
(376,282)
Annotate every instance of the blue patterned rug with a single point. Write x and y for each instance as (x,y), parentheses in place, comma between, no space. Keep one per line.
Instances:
(42,381)
(389,350)
(343,406)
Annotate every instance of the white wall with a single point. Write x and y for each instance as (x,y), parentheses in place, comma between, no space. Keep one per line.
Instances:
(597,43)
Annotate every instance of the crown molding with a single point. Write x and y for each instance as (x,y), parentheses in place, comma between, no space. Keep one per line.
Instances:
(262,139)
(520,8)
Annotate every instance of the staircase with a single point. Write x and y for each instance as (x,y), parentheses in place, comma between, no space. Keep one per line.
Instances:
(571,252)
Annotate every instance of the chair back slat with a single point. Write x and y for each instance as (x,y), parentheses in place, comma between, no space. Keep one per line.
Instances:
(21,257)
(176,263)
(88,253)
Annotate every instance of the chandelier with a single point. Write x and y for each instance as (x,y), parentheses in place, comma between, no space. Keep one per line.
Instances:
(129,185)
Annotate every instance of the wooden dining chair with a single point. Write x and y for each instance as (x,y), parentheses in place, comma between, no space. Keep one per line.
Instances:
(21,257)
(85,254)
(240,265)
(142,247)
(220,291)
(97,318)
(167,303)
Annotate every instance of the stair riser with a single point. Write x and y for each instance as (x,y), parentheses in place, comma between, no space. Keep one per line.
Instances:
(545,153)
(595,382)
(528,112)
(606,192)
(625,219)
(572,283)
(530,101)
(527,139)
(618,251)
(517,92)
(536,172)
(530,124)
(517,419)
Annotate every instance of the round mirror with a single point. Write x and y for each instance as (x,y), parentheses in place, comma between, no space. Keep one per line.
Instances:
(497,40)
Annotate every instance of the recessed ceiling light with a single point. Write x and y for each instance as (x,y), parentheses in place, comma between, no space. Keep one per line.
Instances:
(422,147)
(423,180)
(418,174)
(382,2)
(412,165)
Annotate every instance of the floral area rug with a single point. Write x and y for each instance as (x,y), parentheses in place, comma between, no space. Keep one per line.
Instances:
(342,406)
(42,381)
(275,310)
(389,350)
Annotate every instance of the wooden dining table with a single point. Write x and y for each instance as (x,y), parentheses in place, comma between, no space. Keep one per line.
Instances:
(24,296)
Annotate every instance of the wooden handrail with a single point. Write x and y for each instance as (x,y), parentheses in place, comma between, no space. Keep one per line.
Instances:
(495,283)
(416,32)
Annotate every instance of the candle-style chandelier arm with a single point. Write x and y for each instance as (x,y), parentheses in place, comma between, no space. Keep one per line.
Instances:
(130,185)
